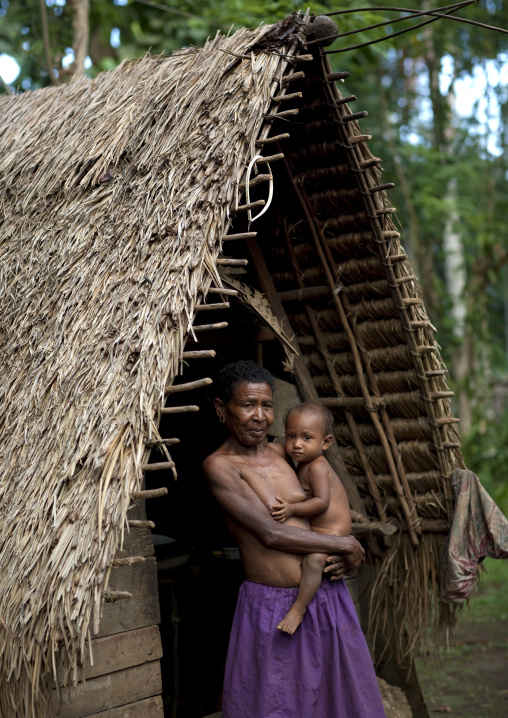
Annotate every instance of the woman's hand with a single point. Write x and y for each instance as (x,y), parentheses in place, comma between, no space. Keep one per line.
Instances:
(282,510)
(337,568)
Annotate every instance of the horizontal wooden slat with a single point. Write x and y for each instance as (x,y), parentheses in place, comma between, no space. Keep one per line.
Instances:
(123,650)
(109,691)
(148,708)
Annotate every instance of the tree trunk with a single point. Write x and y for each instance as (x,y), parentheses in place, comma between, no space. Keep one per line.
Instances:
(80,11)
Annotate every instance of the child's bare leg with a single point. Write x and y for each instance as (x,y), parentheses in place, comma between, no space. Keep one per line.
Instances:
(312,573)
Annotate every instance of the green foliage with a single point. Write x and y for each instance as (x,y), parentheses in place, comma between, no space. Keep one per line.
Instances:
(486,453)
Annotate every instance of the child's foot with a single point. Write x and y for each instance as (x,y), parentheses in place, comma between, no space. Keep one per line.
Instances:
(291,620)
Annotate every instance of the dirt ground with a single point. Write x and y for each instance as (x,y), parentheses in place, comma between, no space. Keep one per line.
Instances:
(472,681)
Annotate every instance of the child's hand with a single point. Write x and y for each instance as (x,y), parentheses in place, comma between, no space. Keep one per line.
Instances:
(282,510)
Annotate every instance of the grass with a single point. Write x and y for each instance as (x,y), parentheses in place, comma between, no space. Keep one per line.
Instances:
(471,681)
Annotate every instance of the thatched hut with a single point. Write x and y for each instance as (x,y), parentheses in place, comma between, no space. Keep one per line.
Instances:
(131,270)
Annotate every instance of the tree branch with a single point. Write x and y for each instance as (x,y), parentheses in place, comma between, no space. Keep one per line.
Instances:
(47,45)
(7,89)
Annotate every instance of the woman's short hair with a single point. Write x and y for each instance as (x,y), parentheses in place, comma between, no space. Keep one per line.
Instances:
(237,372)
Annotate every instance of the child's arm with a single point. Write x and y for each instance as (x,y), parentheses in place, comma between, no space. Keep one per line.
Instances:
(318,479)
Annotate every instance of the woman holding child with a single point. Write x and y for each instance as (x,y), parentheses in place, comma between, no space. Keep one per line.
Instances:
(293,652)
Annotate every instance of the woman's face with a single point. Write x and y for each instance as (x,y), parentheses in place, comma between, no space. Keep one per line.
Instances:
(249,413)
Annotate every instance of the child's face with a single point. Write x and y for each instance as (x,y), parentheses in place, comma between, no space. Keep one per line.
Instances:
(305,437)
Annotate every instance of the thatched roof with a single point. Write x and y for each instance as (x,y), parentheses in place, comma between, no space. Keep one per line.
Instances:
(115,192)
(114,198)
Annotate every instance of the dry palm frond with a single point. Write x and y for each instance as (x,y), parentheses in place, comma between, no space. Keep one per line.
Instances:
(114,194)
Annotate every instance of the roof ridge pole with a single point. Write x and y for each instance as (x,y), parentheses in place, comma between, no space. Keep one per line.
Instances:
(370,406)
(337,384)
(302,374)
(422,362)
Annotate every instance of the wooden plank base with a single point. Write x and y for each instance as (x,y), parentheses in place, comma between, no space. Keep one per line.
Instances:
(149,708)
(109,691)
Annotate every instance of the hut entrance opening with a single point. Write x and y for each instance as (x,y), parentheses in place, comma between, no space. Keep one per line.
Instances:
(199,569)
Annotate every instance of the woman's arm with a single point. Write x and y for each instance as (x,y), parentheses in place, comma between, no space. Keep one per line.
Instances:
(244,506)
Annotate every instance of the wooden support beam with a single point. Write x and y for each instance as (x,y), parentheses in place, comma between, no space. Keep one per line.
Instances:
(372,162)
(353,116)
(161,442)
(275,138)
(230,262)
(189,386)
(296,59)
(253,183)
(334,76)
(421,324)
(209,327)
(292,78)
(179,409)
(436,395)
(270,158)
(405,280)
(223,290)
(159,466)
(149,493)
(113,595)
(345,100)
(272,116)
(211,307)
(379,528)
(436,372)
(252,205)
(140,524)
(394,258)
(359,138)
(450,445)
(201,353)
(411,301)
(288,97)
(242,235)
(426,349)
(381,187)
(444,421)
(129,561)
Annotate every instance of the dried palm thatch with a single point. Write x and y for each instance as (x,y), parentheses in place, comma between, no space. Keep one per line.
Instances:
(115,196)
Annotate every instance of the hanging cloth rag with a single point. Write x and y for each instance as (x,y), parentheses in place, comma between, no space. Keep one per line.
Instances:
(478,530)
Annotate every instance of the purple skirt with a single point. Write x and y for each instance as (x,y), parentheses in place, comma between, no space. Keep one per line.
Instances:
(323,670)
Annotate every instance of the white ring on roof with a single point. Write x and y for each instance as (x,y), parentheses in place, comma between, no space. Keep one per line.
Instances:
(253,161)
